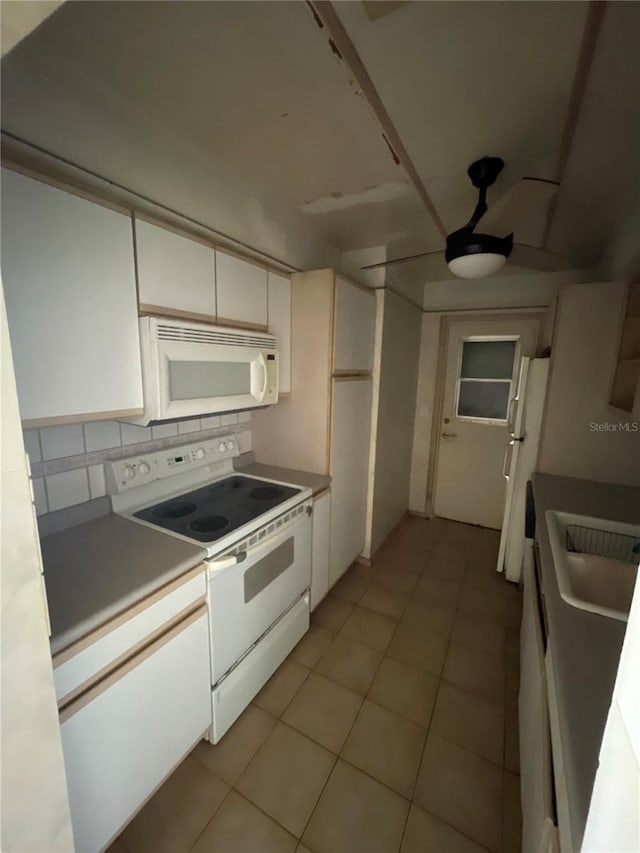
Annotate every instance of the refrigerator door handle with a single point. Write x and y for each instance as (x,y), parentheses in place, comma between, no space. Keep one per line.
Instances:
(510,420)
(507,455)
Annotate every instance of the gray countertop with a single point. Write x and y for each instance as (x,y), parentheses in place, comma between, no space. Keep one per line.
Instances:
(316,482)
(585,646)
(96,570)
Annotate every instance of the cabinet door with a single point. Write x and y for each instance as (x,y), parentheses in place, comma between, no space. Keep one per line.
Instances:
(174,273)
(355,321)
(126,735)
(69,282)
(320,548)
(280,323)
(535,748)
(241,291)
(349,472)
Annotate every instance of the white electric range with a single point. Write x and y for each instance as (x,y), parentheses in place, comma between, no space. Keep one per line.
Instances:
(257,535)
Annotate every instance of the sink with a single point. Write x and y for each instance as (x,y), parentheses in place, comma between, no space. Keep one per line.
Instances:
(596,562)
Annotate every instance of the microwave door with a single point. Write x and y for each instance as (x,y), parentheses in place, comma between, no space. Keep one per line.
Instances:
(200,379)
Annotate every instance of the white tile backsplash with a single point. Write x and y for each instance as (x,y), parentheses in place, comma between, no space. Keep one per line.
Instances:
(101,435)
(210,422)
(59,441)
(32,445)
(97,487)
(244,441)
(60,482)
(164,430)
(189,426)
(67,489)
(39,496)
(134,434)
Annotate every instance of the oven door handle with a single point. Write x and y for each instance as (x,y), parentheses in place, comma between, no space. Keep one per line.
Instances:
(226,562)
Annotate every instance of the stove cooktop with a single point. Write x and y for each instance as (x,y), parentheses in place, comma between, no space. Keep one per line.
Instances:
(213,511)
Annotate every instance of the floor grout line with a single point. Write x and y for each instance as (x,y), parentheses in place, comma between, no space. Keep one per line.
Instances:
(426,560)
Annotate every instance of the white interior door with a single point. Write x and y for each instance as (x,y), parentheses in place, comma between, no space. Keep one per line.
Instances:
(482,361)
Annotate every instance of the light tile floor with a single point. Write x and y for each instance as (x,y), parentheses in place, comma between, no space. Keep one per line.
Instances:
(392,726)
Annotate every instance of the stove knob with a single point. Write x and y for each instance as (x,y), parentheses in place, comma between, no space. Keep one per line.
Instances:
(230,445)
(200,454)
(221,447)
(143,468)
(129,472)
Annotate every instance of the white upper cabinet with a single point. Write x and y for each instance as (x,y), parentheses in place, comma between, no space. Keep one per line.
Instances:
(69,281)
(355,322)
(280,324)
(174,272)
(241,289)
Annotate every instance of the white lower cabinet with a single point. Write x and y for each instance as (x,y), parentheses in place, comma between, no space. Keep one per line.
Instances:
(320,548)
(127,733)
(535,747)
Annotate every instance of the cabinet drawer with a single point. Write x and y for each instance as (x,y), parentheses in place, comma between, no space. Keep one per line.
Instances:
(123,737)
(88,660)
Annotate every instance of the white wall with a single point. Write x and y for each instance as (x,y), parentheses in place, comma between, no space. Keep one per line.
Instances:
(425,403)
(33,794)
(584,353)
(508,291)
(395,378)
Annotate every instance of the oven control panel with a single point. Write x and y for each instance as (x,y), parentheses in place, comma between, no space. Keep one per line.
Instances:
(134,471)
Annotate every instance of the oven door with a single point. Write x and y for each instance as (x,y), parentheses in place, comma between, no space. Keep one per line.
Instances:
(197,379)
(247,597)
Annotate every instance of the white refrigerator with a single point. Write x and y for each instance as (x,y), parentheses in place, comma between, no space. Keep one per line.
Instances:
(524,424)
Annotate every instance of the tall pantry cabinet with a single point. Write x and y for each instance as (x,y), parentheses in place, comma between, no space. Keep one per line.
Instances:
(324,425)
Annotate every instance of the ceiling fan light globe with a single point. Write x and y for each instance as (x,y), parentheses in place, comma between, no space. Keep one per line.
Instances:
(476,265)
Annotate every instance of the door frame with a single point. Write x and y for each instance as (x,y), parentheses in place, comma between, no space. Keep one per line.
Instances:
(443,345)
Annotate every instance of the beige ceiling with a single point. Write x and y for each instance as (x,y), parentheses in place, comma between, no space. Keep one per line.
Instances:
(247,91)
(196,103)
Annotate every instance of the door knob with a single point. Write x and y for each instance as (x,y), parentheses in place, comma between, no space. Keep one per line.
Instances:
(448,434)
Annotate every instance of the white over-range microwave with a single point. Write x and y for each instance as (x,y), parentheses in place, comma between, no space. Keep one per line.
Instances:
(191,369)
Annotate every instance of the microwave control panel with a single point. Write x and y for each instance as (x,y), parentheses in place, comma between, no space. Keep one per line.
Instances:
(271,392)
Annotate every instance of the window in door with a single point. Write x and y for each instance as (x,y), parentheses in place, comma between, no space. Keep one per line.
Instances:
(485,377)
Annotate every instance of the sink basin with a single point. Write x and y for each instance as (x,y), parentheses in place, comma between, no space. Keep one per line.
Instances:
(596,562)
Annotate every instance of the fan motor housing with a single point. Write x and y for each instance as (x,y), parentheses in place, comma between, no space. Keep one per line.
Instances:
(466,242)
(484,172)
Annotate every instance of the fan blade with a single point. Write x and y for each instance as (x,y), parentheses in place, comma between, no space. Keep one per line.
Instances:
(522,209)
(537,259)
(402,260)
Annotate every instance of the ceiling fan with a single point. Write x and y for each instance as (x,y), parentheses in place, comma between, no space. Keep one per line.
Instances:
(470,254)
